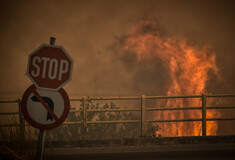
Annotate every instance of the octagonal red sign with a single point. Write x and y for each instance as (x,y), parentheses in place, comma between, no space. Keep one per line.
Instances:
(50,67)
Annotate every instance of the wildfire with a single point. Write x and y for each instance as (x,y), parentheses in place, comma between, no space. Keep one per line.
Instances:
(188,67)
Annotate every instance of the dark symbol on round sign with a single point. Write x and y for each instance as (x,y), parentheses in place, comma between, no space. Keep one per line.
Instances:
(44,109)
(49,103)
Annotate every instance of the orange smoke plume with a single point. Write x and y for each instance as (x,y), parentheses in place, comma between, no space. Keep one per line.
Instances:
(189,68)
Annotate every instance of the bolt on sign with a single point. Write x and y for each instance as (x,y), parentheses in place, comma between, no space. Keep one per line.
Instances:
(45,104)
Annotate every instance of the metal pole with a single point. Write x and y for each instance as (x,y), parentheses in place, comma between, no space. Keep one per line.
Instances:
(143,127)
(21,119)
(84,119)
(203,115)
(52,41)
(41,136)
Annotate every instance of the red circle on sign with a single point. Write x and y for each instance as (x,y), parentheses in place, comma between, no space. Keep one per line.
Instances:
(36,124)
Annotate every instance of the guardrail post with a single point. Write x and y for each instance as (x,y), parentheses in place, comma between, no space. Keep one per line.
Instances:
(203,115)
(84,119)
(143,127)
(22,122)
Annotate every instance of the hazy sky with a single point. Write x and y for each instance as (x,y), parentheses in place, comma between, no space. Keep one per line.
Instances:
(89,30)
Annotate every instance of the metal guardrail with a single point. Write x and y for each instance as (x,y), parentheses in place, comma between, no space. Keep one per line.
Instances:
(142,110)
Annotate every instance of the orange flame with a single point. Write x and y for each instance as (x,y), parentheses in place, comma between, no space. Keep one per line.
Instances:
(188,66)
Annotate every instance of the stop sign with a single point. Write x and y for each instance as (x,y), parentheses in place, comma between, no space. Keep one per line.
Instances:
(49,67)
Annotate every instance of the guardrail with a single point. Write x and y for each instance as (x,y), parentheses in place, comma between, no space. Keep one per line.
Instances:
(142,110)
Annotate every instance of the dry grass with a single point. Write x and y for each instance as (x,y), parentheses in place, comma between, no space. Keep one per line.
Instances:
(16,146)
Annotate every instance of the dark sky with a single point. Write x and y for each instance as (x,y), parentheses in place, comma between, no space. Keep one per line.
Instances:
(88,30)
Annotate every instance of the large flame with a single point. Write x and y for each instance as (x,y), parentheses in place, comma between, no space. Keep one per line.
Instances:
(188,66)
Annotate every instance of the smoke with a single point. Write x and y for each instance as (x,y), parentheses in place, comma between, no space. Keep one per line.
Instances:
(89,31)
(187,66)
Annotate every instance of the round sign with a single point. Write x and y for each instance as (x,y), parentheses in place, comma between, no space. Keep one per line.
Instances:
(45,109)
(50,67)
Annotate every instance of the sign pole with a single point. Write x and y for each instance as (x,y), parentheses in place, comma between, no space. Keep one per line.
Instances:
(41,136)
